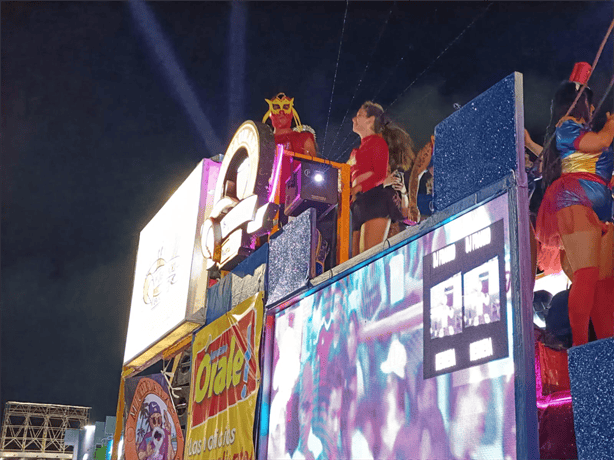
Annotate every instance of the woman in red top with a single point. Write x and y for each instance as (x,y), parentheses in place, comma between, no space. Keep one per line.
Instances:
(371,205)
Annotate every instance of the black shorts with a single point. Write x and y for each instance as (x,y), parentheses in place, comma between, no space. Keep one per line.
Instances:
(374,203)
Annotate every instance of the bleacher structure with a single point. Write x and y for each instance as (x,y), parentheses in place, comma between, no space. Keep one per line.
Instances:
(32,430)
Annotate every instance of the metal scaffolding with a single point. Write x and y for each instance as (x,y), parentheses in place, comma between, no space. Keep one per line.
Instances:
(32,430)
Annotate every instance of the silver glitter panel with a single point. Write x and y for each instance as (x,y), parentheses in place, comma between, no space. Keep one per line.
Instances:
(291,257)
(476,145)
(591,374)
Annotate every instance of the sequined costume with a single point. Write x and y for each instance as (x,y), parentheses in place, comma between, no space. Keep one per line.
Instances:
(577,207)
(584,181)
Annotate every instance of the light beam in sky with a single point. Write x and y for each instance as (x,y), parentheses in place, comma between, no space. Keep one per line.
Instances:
(236,58)
(175,75)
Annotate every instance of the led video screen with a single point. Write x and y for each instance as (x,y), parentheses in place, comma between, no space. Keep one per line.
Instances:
(348,362)
(465,321)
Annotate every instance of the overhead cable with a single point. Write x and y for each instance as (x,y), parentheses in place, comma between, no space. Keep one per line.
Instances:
(336,69)
(363,75)
(478,16)
(440,54)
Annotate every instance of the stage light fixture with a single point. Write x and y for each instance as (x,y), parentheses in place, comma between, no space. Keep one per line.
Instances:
(309,186)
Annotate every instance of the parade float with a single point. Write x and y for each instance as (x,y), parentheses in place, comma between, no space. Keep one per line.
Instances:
(421,347)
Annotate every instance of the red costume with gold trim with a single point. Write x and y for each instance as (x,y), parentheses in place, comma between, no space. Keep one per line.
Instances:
(294,140)
(282,112)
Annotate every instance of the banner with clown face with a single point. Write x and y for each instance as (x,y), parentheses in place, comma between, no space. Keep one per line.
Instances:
(152,429)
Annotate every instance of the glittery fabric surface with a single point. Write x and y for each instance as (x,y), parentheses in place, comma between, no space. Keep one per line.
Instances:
(245,280)
(476,145)
(218,299)
(290,257)
(591,373)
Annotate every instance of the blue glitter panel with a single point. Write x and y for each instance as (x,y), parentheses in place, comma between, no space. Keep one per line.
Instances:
(591,375)
(291,263)
(245,280)
(476,146)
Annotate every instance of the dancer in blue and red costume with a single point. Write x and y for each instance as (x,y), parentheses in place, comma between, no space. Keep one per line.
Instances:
(574,219)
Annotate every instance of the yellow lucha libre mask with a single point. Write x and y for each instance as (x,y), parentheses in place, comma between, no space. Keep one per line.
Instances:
(281,110)
(280,103)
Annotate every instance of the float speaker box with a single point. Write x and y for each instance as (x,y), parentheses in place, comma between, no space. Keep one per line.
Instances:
(311,185)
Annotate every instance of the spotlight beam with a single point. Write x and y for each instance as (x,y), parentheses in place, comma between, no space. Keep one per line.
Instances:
(175,75)
(237,59)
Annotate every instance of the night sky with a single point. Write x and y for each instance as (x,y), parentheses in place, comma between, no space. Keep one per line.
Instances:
(108,106)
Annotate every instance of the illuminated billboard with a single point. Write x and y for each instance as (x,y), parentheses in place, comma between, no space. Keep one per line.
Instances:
(353,365)
(170,278)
